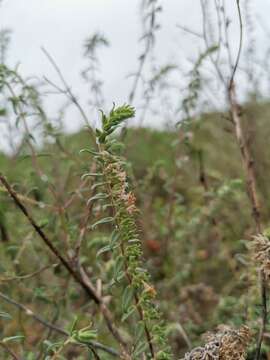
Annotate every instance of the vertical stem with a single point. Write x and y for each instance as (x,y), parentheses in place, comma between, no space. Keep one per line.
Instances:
(249,168)
(247,159)
(127,273)
(248,165)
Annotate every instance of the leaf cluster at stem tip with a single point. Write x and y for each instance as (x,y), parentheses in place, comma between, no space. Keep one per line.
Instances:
(113,120)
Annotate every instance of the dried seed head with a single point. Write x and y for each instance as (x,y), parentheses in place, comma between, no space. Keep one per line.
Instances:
(261,253)
(149,289)
(226,344)
(120,187)
(234,343)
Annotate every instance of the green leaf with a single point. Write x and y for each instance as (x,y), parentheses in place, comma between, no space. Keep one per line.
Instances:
(127,298)
(73,324)
(99,196)
(140,348)
(84,176)
(5,315)
(106,206)
(89,151)
(13,338)
(98,184)
(115,236)
(134,241)
(102,221)
(52,346)
(84,336)
(139,331)
(117,147)
(129,312)
(104,249)
(118,266)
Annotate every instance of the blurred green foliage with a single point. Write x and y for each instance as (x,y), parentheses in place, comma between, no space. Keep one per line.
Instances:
(194,216)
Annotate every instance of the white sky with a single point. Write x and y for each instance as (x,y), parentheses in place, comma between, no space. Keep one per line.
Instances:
(61,26)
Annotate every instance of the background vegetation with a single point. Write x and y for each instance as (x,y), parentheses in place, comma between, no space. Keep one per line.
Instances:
(132,243)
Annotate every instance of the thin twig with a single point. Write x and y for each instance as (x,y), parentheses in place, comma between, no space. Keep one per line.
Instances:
(240,44)
(68,91)
(214,61)
(28,276)
(30,313)
(51,326)
(190,31)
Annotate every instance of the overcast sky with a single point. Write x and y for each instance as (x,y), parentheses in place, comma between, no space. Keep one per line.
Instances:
(61,26)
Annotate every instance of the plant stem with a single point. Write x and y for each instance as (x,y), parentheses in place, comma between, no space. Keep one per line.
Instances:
(248,165)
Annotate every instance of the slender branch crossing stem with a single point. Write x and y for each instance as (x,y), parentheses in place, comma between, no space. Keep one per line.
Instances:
(85,285)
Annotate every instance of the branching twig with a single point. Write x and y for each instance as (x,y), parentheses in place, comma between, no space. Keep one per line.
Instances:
(51,326)
(67,90)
